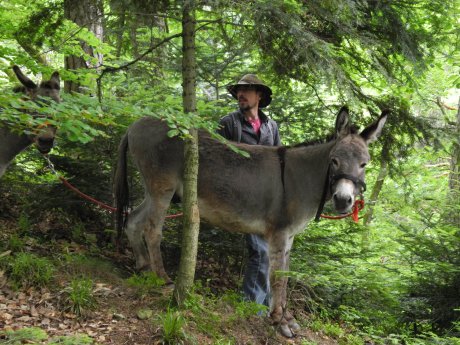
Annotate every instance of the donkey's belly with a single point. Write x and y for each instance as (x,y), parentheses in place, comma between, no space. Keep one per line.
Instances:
(230,220)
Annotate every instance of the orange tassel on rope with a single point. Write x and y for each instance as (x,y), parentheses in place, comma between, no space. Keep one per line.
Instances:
(358,206)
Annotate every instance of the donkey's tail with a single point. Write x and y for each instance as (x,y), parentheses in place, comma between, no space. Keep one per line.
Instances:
(121,189)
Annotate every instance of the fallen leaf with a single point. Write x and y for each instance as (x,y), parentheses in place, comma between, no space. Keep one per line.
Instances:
(6,316)
(33,311)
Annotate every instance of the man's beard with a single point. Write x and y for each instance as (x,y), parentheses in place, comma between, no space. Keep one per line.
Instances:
(246,106)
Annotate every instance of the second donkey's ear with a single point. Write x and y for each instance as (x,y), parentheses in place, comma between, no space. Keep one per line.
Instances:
(55,77)
(341,122)
(29,84)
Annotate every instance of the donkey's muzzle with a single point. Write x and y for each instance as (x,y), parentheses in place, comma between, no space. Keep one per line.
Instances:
(342,203)
(44,145)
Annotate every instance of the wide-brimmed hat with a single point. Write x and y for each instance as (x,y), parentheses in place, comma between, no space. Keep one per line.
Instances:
(251,79)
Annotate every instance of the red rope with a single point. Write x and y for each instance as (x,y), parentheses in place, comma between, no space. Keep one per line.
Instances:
(358,206)
(97,202)
(86,196)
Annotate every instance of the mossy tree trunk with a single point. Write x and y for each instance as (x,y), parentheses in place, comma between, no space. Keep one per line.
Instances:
(191,223)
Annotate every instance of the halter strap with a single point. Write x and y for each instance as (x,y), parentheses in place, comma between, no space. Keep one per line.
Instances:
(357,182)
(282,159)
(323,196)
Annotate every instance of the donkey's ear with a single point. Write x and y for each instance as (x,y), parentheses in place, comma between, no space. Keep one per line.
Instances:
(372,132)
(23,79)
(55,77)
(341,122)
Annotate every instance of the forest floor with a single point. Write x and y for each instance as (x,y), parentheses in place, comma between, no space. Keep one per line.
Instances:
(120,313)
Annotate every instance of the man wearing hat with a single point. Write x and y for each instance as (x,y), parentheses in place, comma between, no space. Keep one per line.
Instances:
(249,125)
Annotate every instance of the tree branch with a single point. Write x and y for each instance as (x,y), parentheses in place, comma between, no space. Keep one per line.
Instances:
(111,69)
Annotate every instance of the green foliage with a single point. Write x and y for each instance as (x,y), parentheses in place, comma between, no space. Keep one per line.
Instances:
(24,223)
(24,335)
(351,339)
(201,305)
(145,283)
(243,309)
(15,243)
(34,335)
(29,270)
(328,328)
(79,296)
(80,118)
(172,323)
(79,339)
(93,267)
(308,342)
(210,313)
(78,231)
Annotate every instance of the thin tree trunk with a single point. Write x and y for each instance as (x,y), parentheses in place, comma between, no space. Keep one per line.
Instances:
(454,176)
(383,172)
(186,273)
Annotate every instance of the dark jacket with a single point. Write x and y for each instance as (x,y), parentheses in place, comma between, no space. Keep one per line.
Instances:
(234,127)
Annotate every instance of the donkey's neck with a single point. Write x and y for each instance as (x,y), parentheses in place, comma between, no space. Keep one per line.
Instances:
(313,161)
(306,173)
(10,145)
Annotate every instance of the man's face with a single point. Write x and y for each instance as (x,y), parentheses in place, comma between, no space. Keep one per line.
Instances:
(248,97)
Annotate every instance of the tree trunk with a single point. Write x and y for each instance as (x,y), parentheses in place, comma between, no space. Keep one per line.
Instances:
(87,14)
(120,28)
(383,172)
(454,176)
(186,273)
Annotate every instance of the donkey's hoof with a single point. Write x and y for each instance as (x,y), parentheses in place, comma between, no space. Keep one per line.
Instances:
(286,331)
(170,285)
(293,325)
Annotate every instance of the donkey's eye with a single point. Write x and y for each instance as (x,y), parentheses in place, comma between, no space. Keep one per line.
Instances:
(363,165)
(335,161)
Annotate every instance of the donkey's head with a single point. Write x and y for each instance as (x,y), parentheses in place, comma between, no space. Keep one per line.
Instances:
(47,91)
(348,160)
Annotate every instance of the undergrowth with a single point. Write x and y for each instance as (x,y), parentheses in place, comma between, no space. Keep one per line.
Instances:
(79,296)
(29,270)
(34,335)
(145,283)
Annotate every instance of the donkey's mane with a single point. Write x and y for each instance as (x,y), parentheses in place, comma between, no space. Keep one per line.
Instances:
(351,130)
(314,142)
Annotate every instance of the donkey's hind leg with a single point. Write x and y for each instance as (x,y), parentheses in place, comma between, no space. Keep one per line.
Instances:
(144,230)
(136,224)
(144,233)
(153,232)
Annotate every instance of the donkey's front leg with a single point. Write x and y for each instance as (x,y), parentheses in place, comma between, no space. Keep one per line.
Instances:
(280,245)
